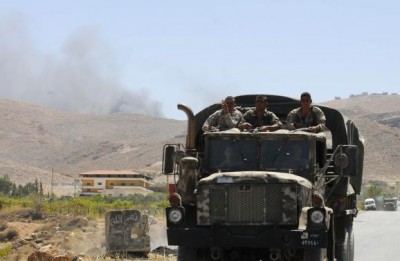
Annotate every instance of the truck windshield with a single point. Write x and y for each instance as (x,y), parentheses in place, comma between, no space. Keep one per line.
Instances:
(241,154)
(285,154)
(389,200)
(232,154)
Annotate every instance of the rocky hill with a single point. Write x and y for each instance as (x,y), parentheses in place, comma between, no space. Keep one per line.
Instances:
(36,142)
(378,119)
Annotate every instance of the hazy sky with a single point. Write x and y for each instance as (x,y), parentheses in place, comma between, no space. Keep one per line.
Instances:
(98,56)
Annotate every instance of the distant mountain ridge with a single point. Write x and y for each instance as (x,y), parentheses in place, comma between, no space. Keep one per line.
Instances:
(40,143)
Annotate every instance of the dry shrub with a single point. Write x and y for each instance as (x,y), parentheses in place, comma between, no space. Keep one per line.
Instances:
(8,234)
(3,225)
(29,214)
(15,214)
(79,222)
(70,223)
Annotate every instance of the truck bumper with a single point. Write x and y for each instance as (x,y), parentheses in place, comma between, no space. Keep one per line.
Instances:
(259,237)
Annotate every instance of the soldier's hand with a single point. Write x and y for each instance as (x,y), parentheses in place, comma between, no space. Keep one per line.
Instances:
(263,129)
(245,126)
(212,128)
(313,129)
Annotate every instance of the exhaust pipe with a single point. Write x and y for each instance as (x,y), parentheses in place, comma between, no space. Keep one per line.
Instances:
(274,254)
(191,135)
(216,253)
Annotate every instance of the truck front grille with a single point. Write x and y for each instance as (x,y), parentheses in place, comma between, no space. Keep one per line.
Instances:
(247,204)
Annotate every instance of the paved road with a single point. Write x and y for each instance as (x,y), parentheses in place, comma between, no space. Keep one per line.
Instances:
(377,236)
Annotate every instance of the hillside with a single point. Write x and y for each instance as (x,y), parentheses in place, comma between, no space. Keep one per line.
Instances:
(36,141)
(378,119)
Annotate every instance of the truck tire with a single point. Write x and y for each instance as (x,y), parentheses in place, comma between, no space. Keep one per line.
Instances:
(330,250)
(189,254)
(313,255)
(345,251)
(350,243)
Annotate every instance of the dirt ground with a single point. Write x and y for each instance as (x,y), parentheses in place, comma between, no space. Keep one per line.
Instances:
(24,228)
(76,235)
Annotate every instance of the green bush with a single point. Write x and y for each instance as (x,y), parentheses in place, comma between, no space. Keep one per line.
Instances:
(376,188)
(6,251)
(37,206)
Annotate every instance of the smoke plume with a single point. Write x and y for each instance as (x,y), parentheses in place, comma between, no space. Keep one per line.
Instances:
(81,77)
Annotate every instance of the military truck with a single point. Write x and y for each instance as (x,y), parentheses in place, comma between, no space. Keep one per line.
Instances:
(283,195)
(390,204)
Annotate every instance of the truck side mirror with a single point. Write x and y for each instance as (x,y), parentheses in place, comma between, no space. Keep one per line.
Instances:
(346,160)
(168,159)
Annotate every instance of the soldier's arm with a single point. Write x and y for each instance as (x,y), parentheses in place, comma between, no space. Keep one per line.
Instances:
(275,121)
(290,120)
(211,123)
(245,122)
(232,121)
(321,120)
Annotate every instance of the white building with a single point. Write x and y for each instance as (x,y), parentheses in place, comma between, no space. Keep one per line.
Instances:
(114,183)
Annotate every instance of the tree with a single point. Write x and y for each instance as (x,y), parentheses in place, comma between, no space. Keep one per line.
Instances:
(5,185)
(36,186)
(41,189)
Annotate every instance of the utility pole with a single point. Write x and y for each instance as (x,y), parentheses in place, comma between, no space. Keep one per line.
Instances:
(76,182)
(397,189)
(51,184)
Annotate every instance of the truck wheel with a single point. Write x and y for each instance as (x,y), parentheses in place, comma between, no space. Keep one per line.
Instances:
(313,255)
(350,243)
(188,254)
(345,251)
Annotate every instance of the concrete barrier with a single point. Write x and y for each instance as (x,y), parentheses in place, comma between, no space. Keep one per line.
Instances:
(127,231)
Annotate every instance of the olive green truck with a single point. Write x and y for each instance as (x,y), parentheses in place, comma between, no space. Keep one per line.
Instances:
(283,195)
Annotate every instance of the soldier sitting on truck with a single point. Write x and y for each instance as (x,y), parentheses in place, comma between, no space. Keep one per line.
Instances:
(306,116)
(260,118)
(224,119)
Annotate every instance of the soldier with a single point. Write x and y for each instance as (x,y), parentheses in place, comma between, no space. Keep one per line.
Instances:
(260,117)
(306,116)
(224,119)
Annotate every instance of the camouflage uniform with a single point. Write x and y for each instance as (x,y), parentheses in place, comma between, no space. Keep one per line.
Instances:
(223,121)
(268,118)
(315,117)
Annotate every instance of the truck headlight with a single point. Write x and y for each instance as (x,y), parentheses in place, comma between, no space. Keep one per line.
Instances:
(175,215)
(317,218)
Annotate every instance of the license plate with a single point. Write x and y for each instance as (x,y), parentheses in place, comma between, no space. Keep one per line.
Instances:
(310,239)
